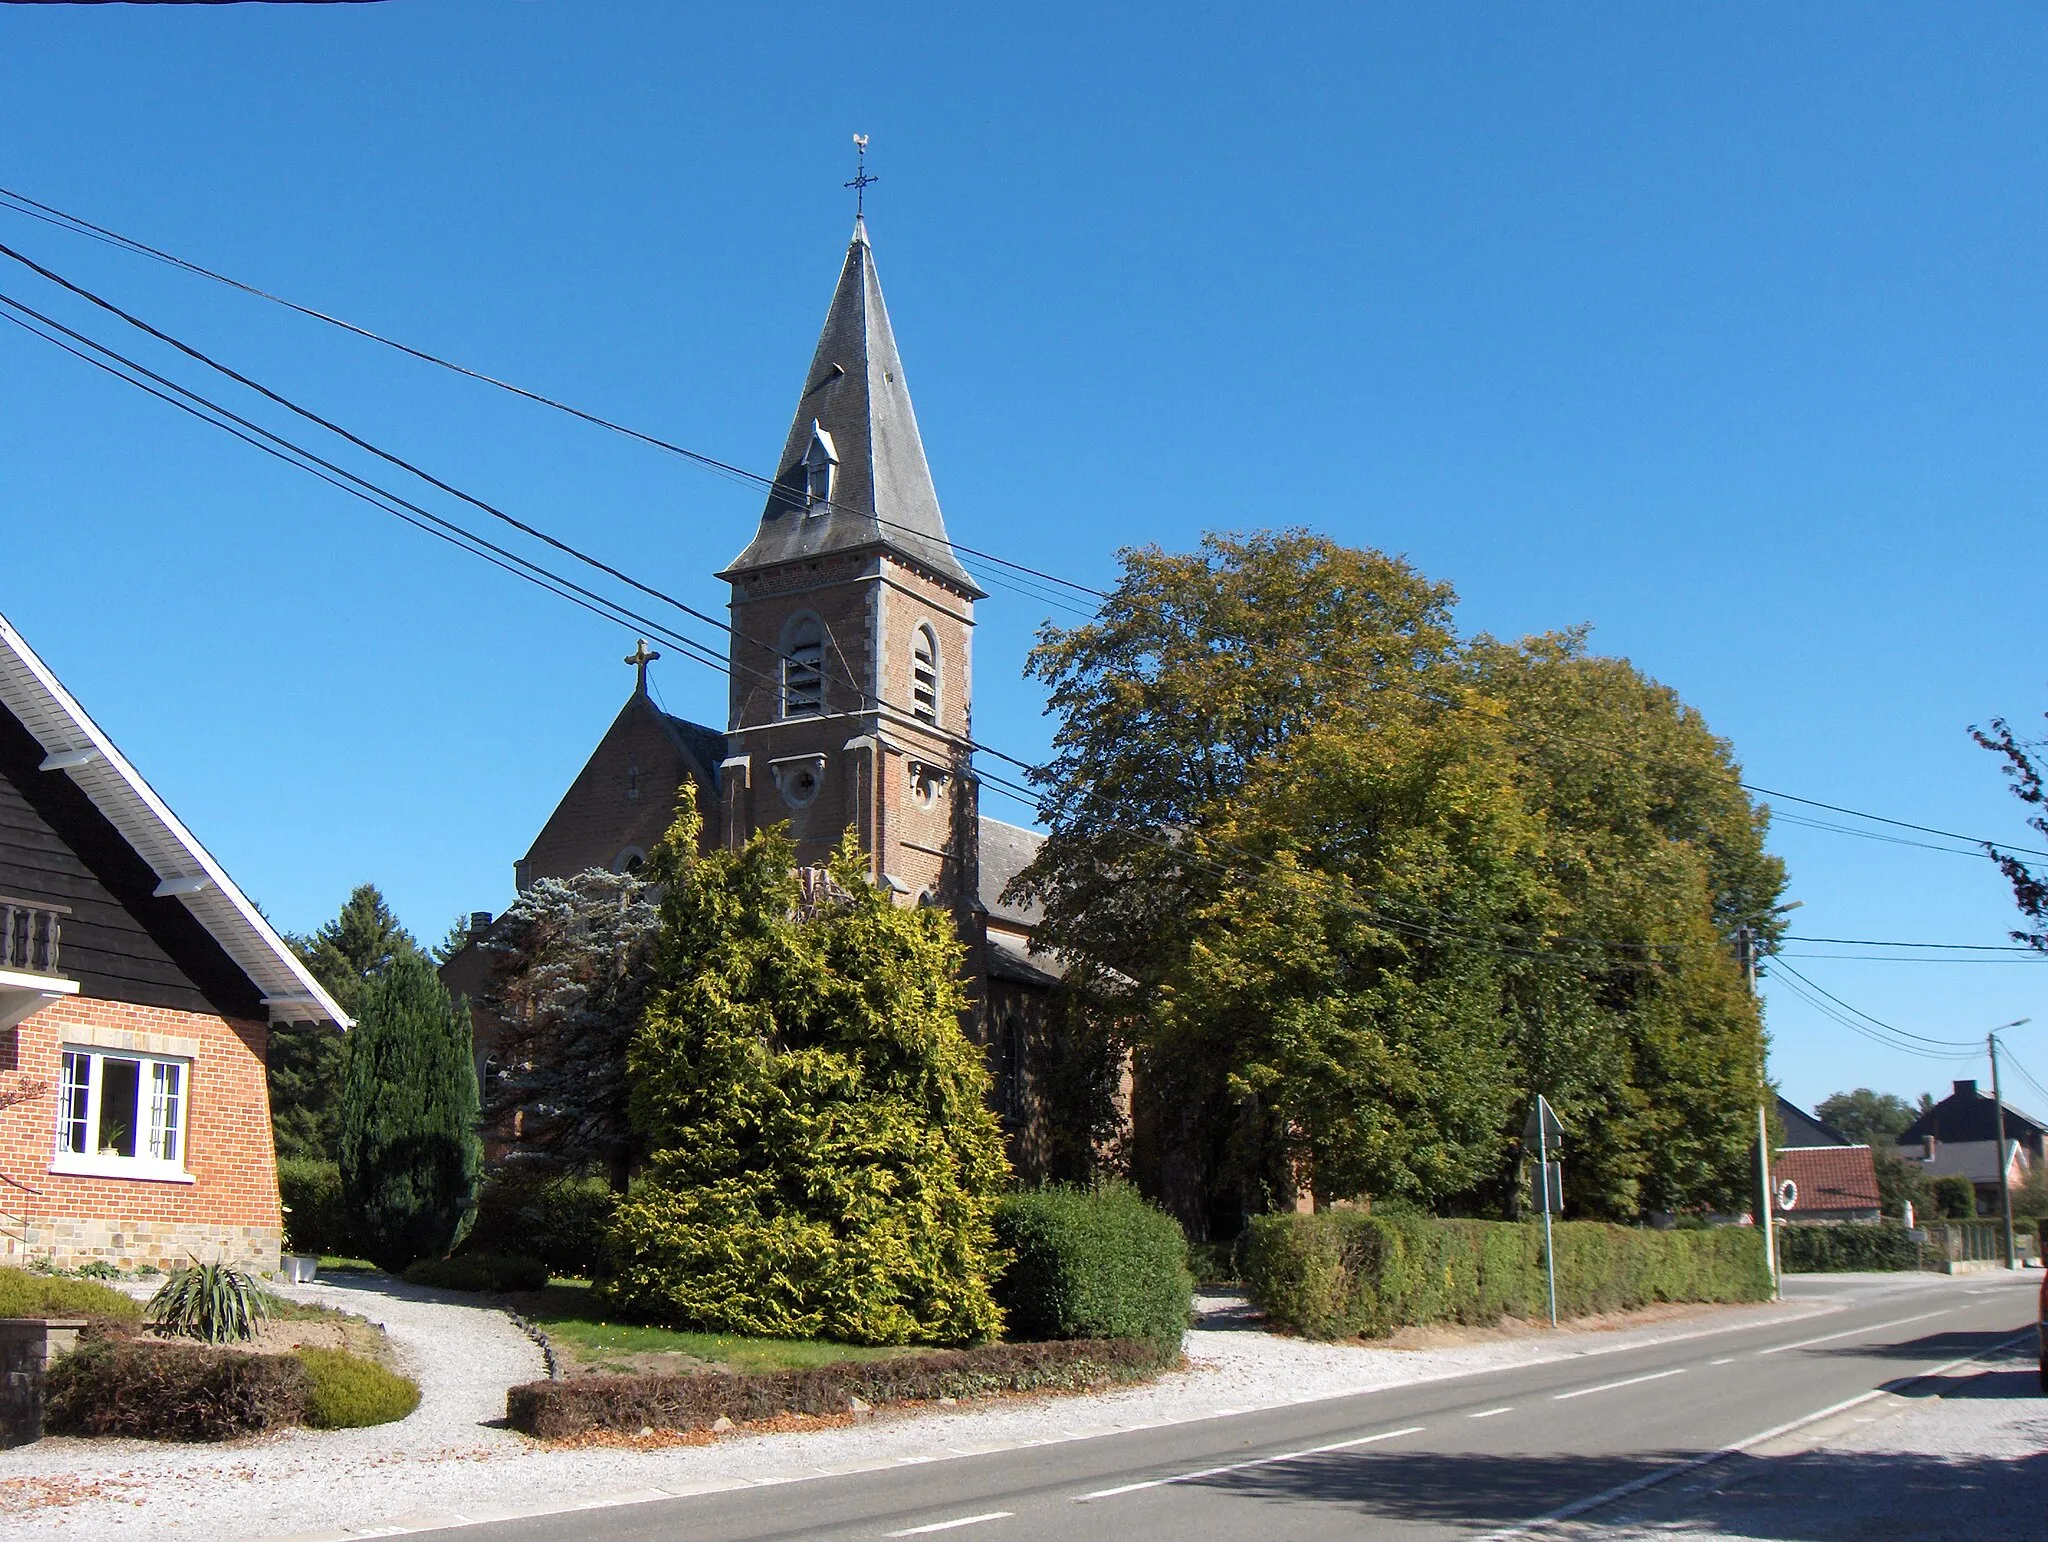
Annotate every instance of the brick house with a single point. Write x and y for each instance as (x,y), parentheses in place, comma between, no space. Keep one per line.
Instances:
(137,989)
(1959,1136)
(1819,1175)
(851,698)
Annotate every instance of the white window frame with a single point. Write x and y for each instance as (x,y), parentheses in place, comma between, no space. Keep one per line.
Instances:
(163,1104)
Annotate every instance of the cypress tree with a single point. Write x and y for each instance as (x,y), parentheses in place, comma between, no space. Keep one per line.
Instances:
(410,1156)
(821,1158)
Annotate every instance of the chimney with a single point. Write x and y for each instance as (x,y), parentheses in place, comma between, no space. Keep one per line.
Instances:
(1966,1089)
(1927,1148)
(479,923)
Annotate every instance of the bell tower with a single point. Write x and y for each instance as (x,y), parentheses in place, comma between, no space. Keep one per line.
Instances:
(853,622)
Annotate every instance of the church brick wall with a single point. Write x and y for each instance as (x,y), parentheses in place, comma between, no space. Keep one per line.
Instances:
(229,1211)
(624,798)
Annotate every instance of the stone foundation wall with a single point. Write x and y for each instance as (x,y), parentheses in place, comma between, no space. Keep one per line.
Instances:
(131,1243)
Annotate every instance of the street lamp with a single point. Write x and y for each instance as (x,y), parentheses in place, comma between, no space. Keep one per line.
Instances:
(1998,1148)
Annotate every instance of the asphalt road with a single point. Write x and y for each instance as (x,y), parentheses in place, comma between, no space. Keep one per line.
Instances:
(1458,1458)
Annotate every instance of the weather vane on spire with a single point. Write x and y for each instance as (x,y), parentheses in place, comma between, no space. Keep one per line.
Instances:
(861,179)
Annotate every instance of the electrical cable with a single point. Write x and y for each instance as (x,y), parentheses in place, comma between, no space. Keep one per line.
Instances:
(1906,1033)
(23,204)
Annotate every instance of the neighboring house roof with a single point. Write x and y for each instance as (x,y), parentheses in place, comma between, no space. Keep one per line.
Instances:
(1825,1178)
(1976,1160)
(1006,850)
(75,746)
(1802,1129)
(856,408)
(1967,1114)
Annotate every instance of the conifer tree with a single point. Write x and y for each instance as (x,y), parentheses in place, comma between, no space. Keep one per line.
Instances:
(410,1156)
(821,1158)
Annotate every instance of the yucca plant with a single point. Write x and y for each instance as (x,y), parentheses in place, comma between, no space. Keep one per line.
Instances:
(214,1303)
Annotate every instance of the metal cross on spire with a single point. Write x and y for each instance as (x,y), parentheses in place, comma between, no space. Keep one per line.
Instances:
(642,656)
(861,179)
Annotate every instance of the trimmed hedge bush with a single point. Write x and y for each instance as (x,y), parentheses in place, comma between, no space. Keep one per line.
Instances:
(1092,1264)
(479,1271)
(560,1221)
(1858,1245)
(1346,1274)
(38,1295)
(555,1410)
(172,1391)
(346,1392)
(314,1218)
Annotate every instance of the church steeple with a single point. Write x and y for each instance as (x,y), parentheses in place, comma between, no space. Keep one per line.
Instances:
(852,474)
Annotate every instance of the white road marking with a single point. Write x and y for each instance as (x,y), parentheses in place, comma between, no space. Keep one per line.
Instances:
(1724,1360)
(965,1520)
(1679,1469)
(1510,1408)
(1609,1386)
(1876,1327)
(1259,1461)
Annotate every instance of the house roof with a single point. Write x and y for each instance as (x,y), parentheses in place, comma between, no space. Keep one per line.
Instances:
(1827,1178)
(856,405)
(696,743)
(1976,1160)
(74,745)
(1802,1129)
(1967,1114)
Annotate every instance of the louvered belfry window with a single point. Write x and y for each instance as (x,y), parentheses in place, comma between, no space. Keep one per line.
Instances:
(803,669)
(924,676)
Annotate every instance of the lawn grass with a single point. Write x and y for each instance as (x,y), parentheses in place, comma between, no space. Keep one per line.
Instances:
(333,1263)
(585,1336)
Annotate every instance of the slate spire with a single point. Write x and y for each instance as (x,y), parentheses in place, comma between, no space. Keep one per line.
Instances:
(852,473)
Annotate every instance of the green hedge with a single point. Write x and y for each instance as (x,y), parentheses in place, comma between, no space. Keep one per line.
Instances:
(555,1410)
(23,1294)
(314,1220)
(1346,1274)
(1852,1245)
(1092,1264)
(560,1221)
(479,1271)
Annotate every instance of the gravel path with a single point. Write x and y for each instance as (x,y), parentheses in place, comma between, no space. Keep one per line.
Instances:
(449,1460)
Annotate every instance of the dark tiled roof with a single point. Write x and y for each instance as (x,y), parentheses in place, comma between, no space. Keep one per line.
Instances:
(1006,850)
(1828,1178)
(1802,1129)
(1009,959)
(855,393)
(1967,1114)
(706,746)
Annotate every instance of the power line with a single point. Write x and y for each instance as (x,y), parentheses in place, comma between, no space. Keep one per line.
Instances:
(1823,1006)
(1953,947)
(1947,1045)
(21,203)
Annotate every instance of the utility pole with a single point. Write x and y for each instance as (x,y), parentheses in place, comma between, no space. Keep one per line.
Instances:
(1747,937)
(1998,1115)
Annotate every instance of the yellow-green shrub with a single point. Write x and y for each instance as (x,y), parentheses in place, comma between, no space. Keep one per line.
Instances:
(346,1392)
(38,1295)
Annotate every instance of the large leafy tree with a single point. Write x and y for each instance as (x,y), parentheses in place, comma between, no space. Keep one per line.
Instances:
(821,1159)
(308,1061)
(1356,891)
(411,1158)
(2026,768)
(571,964)
(1876,1119)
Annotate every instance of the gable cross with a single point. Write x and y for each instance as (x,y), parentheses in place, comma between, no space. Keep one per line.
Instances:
(861,179)
(641,657)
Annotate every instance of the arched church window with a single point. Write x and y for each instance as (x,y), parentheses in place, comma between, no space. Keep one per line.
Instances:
(803,667)
(924,676)
(630,860)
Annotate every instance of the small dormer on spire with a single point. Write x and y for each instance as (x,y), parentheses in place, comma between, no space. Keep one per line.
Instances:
(821,469)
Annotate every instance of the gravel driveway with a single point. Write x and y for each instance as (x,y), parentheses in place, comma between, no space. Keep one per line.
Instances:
(451,1460)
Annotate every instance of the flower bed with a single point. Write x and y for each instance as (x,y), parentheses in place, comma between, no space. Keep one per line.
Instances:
(157,1391)
(555,1410)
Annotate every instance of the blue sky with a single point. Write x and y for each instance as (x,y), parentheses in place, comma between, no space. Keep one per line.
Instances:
(1719,329)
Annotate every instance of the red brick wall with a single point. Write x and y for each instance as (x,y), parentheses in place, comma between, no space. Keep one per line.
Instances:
(231,1207)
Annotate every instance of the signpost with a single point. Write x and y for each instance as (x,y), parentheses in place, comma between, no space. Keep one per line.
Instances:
(1541,1130)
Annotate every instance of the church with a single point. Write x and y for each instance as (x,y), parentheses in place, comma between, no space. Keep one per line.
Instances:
(851,665)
